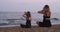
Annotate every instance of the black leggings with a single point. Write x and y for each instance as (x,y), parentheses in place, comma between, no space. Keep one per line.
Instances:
(28,23)
(45,23)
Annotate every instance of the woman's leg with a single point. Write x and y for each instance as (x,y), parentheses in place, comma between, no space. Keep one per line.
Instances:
(47,23)
(40,24)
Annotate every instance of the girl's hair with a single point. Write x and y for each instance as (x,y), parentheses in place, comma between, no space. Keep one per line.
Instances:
(46,8)
(28,14)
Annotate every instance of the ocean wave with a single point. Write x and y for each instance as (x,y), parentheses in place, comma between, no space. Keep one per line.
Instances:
(57,19)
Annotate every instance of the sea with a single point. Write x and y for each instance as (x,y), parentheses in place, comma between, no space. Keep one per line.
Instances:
(16,18)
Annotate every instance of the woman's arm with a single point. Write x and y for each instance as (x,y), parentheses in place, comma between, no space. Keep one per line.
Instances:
(48,13)
(42,12)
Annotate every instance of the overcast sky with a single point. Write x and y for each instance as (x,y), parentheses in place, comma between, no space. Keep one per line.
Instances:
(31,5)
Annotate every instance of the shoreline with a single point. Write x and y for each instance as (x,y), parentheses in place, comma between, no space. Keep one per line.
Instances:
(54,28)
(20,26)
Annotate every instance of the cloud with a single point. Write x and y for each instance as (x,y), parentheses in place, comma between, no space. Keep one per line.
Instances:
(12,5)
(27,1)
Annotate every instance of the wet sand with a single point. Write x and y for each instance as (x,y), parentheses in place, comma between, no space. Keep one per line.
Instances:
(54,28)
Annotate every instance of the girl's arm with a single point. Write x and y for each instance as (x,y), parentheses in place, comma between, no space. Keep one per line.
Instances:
(24,15)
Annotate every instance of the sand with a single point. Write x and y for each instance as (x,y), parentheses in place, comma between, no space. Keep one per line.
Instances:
(54,28)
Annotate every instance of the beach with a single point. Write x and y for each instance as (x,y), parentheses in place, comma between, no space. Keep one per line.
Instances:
(10,22)
(54,28)
(14,15)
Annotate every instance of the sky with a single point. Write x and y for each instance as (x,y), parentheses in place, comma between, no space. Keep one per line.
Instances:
(28,5)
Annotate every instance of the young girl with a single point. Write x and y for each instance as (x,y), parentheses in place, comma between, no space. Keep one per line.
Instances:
(27,15)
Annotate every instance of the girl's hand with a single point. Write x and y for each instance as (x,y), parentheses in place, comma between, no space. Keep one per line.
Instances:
(24,16)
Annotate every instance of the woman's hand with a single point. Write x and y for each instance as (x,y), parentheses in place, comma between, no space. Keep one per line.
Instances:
(39,11)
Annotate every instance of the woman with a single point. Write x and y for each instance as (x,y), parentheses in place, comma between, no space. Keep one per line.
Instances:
(46,17)
(27,15)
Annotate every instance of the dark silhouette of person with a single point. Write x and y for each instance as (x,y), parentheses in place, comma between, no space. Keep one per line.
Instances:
(27,15)
(46,17)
